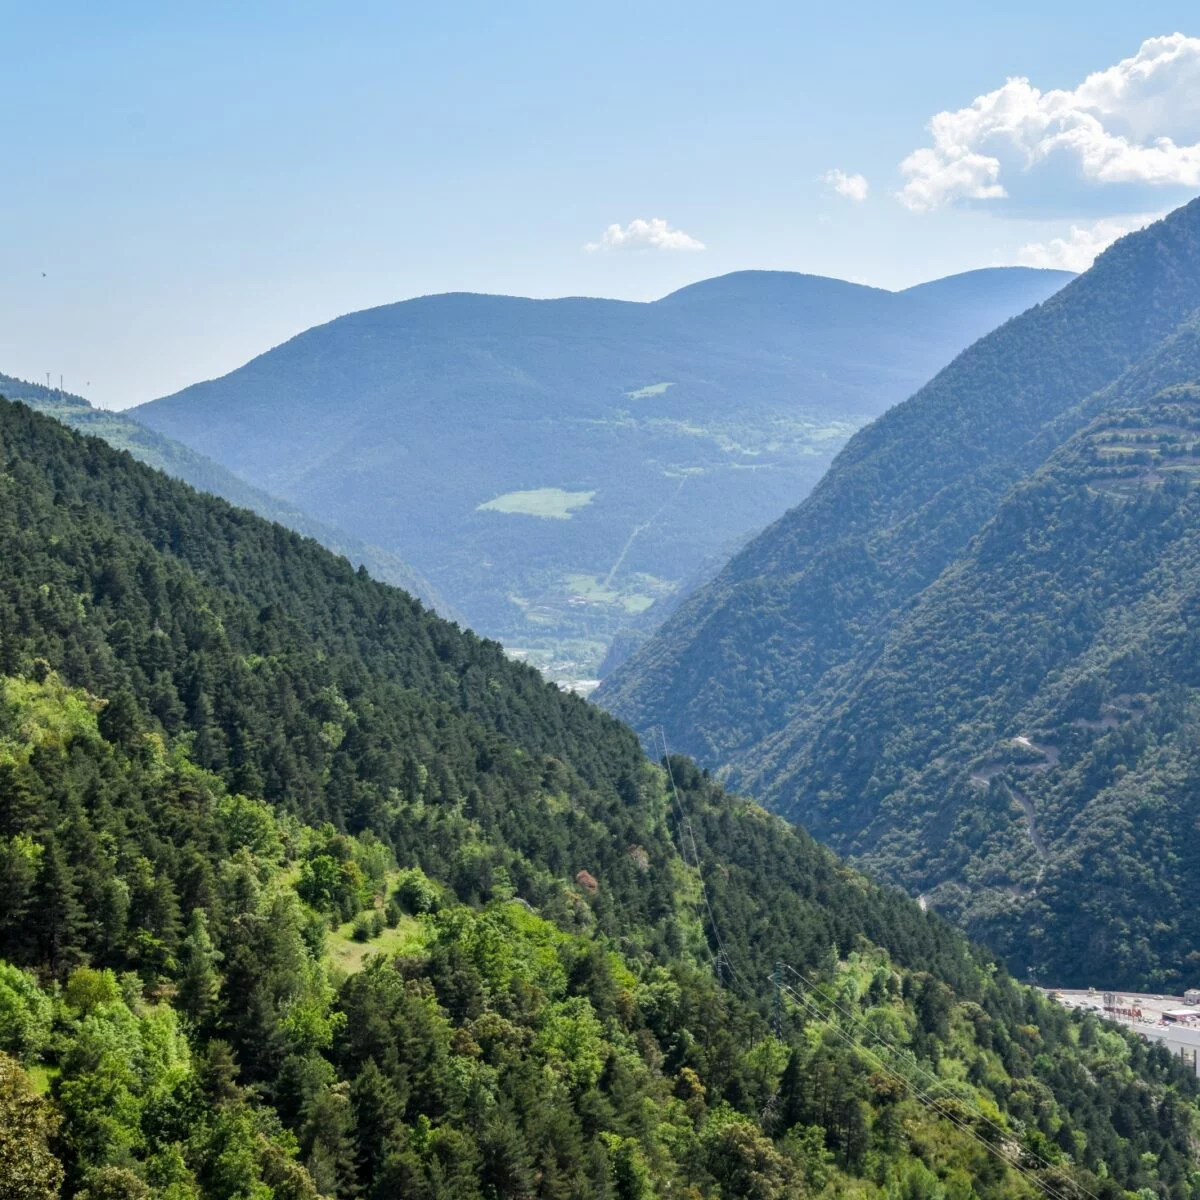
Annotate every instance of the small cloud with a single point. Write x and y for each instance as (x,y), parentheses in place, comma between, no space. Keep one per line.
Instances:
(853,187)
(935,179)
(1134,125)
(1079,249)
(640,234)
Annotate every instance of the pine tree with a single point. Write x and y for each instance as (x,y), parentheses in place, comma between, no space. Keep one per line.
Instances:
(507,1170)
(199,979)
(19,862)
(791,1090)
(120,721)
(18,802)
(377,1116)
(59,917)
(329,1132)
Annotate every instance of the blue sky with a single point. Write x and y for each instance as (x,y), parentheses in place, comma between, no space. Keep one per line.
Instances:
(198,182)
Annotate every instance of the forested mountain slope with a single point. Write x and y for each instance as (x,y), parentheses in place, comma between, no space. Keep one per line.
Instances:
(559,467)
(304,891)
(816,589)
(121,430)
(857,663)
(1025,747)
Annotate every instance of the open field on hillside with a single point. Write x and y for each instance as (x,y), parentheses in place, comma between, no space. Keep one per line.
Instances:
(540,502)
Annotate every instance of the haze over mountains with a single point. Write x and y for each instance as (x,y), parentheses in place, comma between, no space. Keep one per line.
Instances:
(969,657)
(561,468)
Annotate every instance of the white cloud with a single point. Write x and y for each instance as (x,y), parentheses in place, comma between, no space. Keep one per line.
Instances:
(1078,250)
(1135,123)
(853,187)
(654,234)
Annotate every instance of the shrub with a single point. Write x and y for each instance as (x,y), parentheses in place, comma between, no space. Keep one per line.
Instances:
(415,893)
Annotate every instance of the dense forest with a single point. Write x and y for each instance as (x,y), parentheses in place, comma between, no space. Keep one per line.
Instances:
(865,665)
(307,892)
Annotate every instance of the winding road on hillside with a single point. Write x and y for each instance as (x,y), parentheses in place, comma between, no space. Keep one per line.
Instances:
(1035,837)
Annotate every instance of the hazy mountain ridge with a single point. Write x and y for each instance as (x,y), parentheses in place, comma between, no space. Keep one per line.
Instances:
(558,467)
(121,430)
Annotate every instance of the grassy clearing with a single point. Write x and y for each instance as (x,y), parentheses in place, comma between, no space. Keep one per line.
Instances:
(592,589)
(835,431)
(654,389)
(636,603)
(540,502)
(41,1078)
(350,956)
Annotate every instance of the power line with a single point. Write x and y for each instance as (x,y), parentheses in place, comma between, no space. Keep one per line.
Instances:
(931,1102)
(921,1095)
(722,960)
(683,828)
(904,1052)
(777,980)
(686,832)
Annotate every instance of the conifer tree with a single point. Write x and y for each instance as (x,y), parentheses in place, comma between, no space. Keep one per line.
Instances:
(199,978)
(377,1114)
(60,917)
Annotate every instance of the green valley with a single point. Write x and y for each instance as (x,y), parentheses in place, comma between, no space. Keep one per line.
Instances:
(507,447)
(620,619)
